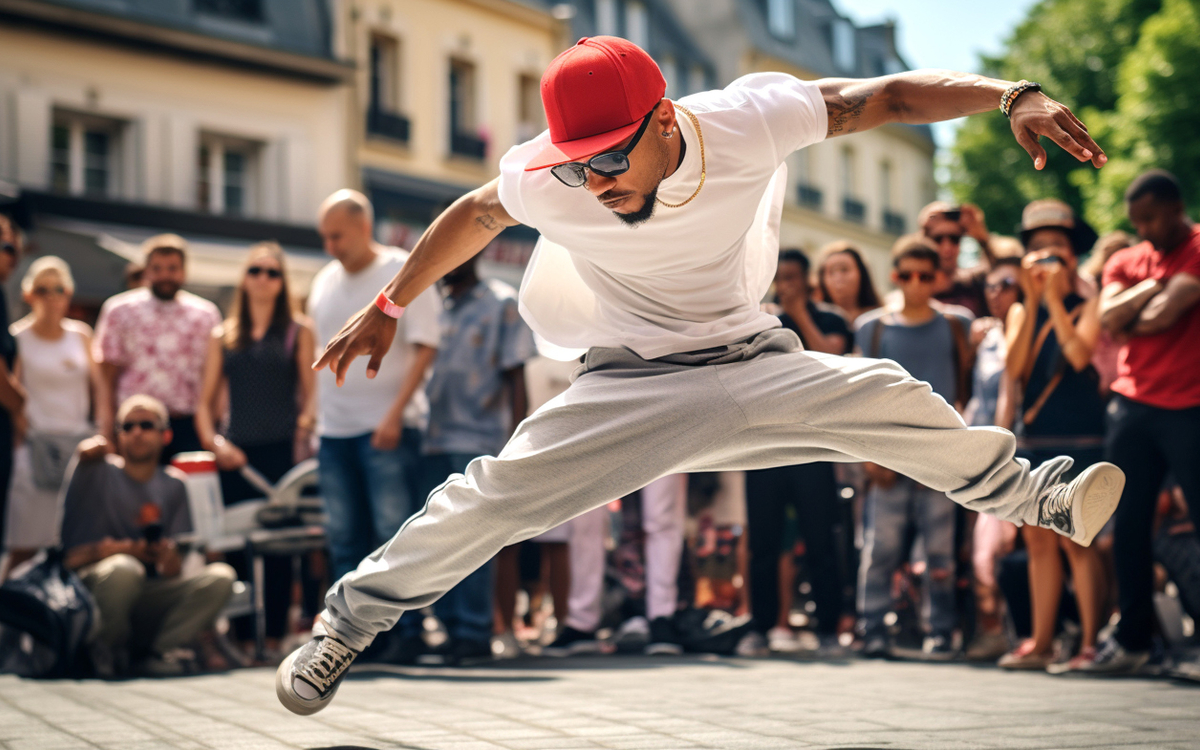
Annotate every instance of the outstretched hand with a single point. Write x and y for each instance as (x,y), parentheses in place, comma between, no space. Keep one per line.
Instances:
(1034,114)
(369,332)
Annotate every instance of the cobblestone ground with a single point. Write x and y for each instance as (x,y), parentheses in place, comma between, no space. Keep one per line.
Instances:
(620,703)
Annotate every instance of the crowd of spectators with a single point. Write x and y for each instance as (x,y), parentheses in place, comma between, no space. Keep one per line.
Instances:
(1082,346)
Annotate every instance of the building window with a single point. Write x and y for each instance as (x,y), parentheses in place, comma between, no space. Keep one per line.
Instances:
(530,117)
(383,108)
(637,25)
(226,175)
(85,155)
(464,139)
(893,221)
(807,194)
(606,17)
(781,18)
(852,208)
(242,10)
(844,54)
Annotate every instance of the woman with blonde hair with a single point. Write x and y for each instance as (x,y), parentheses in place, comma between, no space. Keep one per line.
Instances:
(56,370)
(262,351)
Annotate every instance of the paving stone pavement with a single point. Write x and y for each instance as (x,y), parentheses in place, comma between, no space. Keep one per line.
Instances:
(621,703)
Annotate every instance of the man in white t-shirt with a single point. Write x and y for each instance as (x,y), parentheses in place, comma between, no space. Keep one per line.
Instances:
(370,431)
(659,237)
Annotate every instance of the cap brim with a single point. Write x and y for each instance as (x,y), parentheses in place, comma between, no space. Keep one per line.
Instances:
(580,149)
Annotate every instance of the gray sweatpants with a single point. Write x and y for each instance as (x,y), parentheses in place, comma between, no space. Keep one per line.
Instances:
(626,421)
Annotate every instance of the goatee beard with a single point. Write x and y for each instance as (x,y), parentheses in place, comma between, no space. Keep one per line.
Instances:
(643,214)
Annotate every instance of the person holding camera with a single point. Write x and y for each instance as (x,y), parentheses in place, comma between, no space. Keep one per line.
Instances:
(945,226)
(1051,338)
(121,517)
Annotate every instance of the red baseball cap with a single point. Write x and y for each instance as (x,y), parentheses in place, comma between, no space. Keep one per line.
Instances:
(596,94)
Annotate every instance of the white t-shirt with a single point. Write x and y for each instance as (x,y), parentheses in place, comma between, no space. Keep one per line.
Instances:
(57,377)
(356,407)
(689,278)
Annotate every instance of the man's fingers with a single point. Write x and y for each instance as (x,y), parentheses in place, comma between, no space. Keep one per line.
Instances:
(1078,131)
(375,361)
(1029,142)
(1066,142)
(327,356)
(343,365)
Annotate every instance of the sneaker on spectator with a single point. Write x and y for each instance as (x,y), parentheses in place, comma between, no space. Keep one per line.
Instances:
(663,640)
(174,663)
(938,647)
(752,644)
(987,647)
(633,635)
(506,646)
(875,646)
(1080,509)
(572,642)
(307,679)
(1112,658)
(1024,657)
(1076,663)
(782,640)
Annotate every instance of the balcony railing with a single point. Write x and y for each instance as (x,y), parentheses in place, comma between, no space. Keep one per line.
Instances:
(853,210)
(465,144)
(893,223)
(388,125)
(810,197)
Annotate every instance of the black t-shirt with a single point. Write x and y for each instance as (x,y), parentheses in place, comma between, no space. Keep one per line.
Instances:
(827,320)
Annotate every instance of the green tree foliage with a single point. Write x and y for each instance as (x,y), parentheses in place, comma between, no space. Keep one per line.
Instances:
(1076,49)
(1156,122)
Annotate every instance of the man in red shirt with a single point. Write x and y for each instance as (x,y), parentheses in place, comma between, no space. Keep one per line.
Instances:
(1150,300)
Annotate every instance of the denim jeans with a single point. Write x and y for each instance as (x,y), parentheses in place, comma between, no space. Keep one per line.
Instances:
(887,516)
(368,493)
(466,609)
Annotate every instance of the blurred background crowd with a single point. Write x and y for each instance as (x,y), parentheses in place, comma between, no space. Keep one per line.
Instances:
(175,255)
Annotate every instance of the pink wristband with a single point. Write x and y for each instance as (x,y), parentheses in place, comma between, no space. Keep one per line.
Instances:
(389,308)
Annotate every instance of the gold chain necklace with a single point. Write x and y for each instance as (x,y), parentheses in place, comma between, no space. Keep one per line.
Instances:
(703,173)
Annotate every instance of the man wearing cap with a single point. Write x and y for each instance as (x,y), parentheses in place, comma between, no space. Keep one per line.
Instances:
(659,236)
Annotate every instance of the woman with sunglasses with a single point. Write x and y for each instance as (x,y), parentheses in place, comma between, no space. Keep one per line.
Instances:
(262,352)
(59,376)
(1051,338)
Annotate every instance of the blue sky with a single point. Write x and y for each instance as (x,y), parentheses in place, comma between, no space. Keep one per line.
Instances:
(943,33)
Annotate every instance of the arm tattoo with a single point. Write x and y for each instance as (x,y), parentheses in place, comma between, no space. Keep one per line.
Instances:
(488,222)
(844,111)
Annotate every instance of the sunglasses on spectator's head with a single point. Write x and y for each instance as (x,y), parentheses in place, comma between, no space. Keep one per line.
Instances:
(925,276)
(46,291)
(272,273)
(609,164)
(1001,285)
(144,425)
(954,239)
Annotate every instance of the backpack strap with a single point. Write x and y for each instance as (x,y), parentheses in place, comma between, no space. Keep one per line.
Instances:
(1060,370)
(877,337)
(962,357)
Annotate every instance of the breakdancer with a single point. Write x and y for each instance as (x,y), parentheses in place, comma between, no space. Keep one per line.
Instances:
(659,237)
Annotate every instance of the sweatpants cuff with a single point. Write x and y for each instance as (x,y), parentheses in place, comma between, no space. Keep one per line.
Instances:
(355,638)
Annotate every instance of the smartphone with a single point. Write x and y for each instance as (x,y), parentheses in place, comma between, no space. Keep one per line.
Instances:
(1048,260)
(953,214)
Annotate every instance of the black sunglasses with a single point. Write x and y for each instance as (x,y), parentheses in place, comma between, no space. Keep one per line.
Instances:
(272,273)
(924,276)
(145,425)
(609,164)
(940,238)
(45,291)
(1001,285)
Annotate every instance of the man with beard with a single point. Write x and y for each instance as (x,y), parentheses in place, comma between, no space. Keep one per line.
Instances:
(153,341)
(476,399)
(683,371)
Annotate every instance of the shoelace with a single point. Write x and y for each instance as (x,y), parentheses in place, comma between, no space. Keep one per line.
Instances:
(1056,507)
(327,664)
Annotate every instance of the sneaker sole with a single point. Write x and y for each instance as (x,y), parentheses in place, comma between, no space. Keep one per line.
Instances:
(1101,491)
(664,649)
(287,696)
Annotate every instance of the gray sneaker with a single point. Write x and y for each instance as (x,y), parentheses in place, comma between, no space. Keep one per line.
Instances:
(1080,509)
(1112,659)
(307,679)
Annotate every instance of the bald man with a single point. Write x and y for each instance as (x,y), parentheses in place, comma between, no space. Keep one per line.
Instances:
(371,432)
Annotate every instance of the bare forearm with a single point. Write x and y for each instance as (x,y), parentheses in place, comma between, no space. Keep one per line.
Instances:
(1180,294)
(924,96)
(1118,312)
(458,234)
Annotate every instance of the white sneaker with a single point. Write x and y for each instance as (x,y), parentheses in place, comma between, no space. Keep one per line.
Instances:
(307,679)
(506,646)
(1080,509)
(782,640)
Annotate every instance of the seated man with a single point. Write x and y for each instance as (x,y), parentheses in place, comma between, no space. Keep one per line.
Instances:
(121,515)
